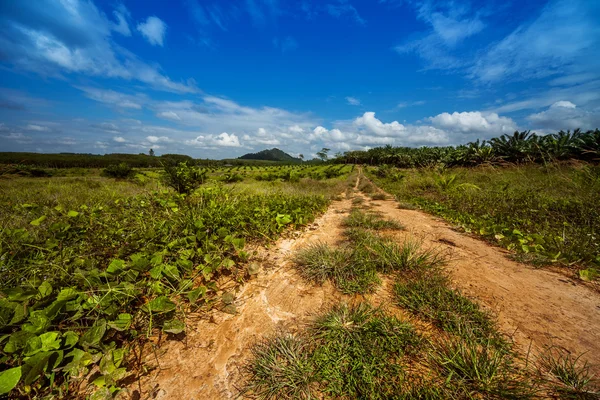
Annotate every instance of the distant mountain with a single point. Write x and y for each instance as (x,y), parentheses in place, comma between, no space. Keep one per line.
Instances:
(270,155)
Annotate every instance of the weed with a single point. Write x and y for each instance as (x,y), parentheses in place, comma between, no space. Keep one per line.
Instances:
(379,196)
(429,296)
(359,219)
(318,263)
(281,368)
(481,367)
(572,379)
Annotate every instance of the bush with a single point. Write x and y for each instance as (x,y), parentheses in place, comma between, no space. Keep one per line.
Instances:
(119,171)
(183,178)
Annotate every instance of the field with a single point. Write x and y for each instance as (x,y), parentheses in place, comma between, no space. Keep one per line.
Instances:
(544,213)
(296,281)
(92,264)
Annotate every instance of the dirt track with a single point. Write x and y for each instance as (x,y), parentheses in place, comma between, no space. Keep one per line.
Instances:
(536,307)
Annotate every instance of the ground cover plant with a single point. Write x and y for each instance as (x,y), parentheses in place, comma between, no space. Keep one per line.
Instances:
(545,213)
(91,265)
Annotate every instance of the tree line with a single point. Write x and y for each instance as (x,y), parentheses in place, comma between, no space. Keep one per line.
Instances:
(520,147)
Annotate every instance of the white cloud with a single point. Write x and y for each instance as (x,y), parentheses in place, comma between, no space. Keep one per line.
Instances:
(209,141)
(353,101)
(154,30)
(54,38)
(564,115)
(374,126)
(450,24)
(159,139)
(405,104)
(343,8)
(563,40)
(484,125)
(119,139)
(38,128)
(115,99)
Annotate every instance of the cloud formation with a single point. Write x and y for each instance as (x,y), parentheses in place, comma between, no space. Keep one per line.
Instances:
(154,30)
(564,115)
(353,101)
(54,38)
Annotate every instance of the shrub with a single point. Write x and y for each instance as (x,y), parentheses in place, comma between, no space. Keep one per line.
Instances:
(119,171)
(183,178)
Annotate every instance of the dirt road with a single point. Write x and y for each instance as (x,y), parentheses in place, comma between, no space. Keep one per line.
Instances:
(536,307)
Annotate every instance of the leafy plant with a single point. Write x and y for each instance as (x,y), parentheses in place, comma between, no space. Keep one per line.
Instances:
(183,178)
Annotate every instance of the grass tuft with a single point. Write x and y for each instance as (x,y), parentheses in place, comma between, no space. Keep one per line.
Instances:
(281,368)
(318,263)
(571,378)
(481,367)
(359,219)
(429,296)
(379,196)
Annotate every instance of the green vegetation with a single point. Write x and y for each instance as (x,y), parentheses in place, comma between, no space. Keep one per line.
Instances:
(359,219)
(348,352)
(91,266)
(270,155)
(363,352)
(545,213)
(521,147)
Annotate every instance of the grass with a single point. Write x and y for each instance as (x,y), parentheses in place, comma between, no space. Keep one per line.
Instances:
(429,296)
(379,196)
(362,352)
(570,377)
(318,263)
(347,352)
(282,368)
(543,212)
(482,368)
(359,219)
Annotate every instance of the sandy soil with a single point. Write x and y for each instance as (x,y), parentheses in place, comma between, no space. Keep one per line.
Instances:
(538,308)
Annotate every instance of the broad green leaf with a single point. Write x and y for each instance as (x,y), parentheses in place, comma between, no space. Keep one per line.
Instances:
(67,294)
(38,322)
(94,335)
(50,341)
(37,222)
(160,304)
(17,341)
(71,338)
(123,322)
(103,393)
(35,366)
(118,356)
(7,311)
(195,294)
(228,298)
(170,271)
(45,289)
(174,326)
(20,313)
(72,214)
(9,379)
(19,294)
(115,266)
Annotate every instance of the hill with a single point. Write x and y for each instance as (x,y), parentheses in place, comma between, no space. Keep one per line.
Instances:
(270,155)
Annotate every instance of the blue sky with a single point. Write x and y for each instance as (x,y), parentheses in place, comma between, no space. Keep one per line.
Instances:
(215,79)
